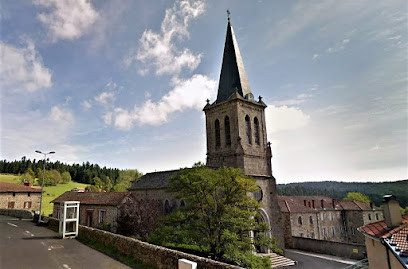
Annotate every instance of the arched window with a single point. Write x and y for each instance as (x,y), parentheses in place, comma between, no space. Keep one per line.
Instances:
(256,127)
(227,131)
(248,129)
(167,208)
(300,220)
(217,133)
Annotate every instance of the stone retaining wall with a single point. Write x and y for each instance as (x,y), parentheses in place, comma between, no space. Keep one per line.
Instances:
(18,213)
(156,256)
(347,250)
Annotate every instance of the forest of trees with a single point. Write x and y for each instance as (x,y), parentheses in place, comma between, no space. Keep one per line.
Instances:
(109,179)
(339,190)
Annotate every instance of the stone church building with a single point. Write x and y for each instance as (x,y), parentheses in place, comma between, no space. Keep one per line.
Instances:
(236,137)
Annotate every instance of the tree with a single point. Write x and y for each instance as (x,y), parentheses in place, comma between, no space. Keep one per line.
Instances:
(66,177)
(138,217)
(217,217)
(124,180)
(357,196)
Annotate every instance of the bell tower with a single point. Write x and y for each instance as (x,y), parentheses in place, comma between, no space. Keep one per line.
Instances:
(235,122)
(236,133)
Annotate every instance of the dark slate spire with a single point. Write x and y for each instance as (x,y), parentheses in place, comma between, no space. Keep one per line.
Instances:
(233,73)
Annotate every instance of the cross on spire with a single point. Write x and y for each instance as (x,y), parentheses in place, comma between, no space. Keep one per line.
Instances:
(228,14)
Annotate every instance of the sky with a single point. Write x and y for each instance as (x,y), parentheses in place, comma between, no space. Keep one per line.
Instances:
(123,83)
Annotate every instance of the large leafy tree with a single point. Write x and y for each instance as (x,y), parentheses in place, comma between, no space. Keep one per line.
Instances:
(357,196)
(218,216)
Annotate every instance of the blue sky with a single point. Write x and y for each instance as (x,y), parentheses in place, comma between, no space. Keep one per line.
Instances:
(123,83)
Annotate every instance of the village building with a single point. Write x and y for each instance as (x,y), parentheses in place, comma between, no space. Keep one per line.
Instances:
(18,196)
(97,209)
(236,137)
(387,240)
(324,218)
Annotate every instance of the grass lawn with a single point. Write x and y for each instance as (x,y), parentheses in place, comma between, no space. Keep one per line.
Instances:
(50,192)
(10,178)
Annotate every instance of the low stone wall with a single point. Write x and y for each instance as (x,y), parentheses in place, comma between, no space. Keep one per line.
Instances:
(18,213)
(156,256)
(347,250)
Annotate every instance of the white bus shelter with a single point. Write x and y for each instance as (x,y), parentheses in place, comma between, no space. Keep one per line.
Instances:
(69,218)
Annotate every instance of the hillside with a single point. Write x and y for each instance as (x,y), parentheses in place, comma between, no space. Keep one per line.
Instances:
(339,190)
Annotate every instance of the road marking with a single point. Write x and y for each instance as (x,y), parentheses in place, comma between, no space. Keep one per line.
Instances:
(66,266)
(29,233)
(12,224)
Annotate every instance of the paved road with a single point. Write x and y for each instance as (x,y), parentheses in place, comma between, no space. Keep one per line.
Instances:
(25,245)
(306,260)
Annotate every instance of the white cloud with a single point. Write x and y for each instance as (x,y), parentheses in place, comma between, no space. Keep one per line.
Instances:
(315,56)
(284,118)
(86,105)
(105,98)
(23,69)
(338,46)
(61,116)
(159,52)
(107,118)
(67,19)
(186,94)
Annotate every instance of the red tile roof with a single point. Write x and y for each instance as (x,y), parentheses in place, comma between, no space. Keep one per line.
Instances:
(12,187)
(379,229)
(92,198)
(400,240)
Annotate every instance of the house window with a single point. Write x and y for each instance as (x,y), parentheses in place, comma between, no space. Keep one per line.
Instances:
(256,127)
(227,131)
(324,231)
(14,194)
(217,133)
(312,235)
(248,129)
(28,194)
(369,216)
(353,232)
(102,216)
(300,220)
(301,235)
(331,216)
(27,205)
(376,216)
(333,231)
(11,204)
(311,220)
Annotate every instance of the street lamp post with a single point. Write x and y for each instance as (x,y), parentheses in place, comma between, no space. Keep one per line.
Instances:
(42,184)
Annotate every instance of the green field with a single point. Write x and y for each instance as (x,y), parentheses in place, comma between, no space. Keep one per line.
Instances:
(50,192)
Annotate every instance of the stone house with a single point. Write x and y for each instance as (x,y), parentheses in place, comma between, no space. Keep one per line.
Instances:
(324,218)
(236,137)
(96,209)
(387,240)
(19,196)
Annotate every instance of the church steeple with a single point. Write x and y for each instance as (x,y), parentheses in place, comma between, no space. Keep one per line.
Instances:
(233,73)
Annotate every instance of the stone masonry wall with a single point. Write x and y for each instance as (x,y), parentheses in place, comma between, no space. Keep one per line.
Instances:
(19,198)
(18,213)
(156,256)
(347,250)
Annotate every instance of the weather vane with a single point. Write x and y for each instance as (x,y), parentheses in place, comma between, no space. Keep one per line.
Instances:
(228,14)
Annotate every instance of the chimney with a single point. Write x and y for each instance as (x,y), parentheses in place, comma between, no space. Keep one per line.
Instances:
(334,203)
(313,203)
(371,205)
(392,213)
(28,184)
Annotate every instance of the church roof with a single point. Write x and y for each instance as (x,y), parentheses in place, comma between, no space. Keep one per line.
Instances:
(233,73)
(154,180)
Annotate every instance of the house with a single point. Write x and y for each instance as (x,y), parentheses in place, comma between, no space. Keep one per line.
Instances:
(96,209)
(324,218)
(387,240)
(19,196)
(236,137)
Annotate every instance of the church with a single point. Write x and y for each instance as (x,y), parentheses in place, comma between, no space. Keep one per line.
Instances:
(236,137)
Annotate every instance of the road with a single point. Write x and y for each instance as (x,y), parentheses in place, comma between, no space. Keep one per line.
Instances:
(25,245)
(306,260)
